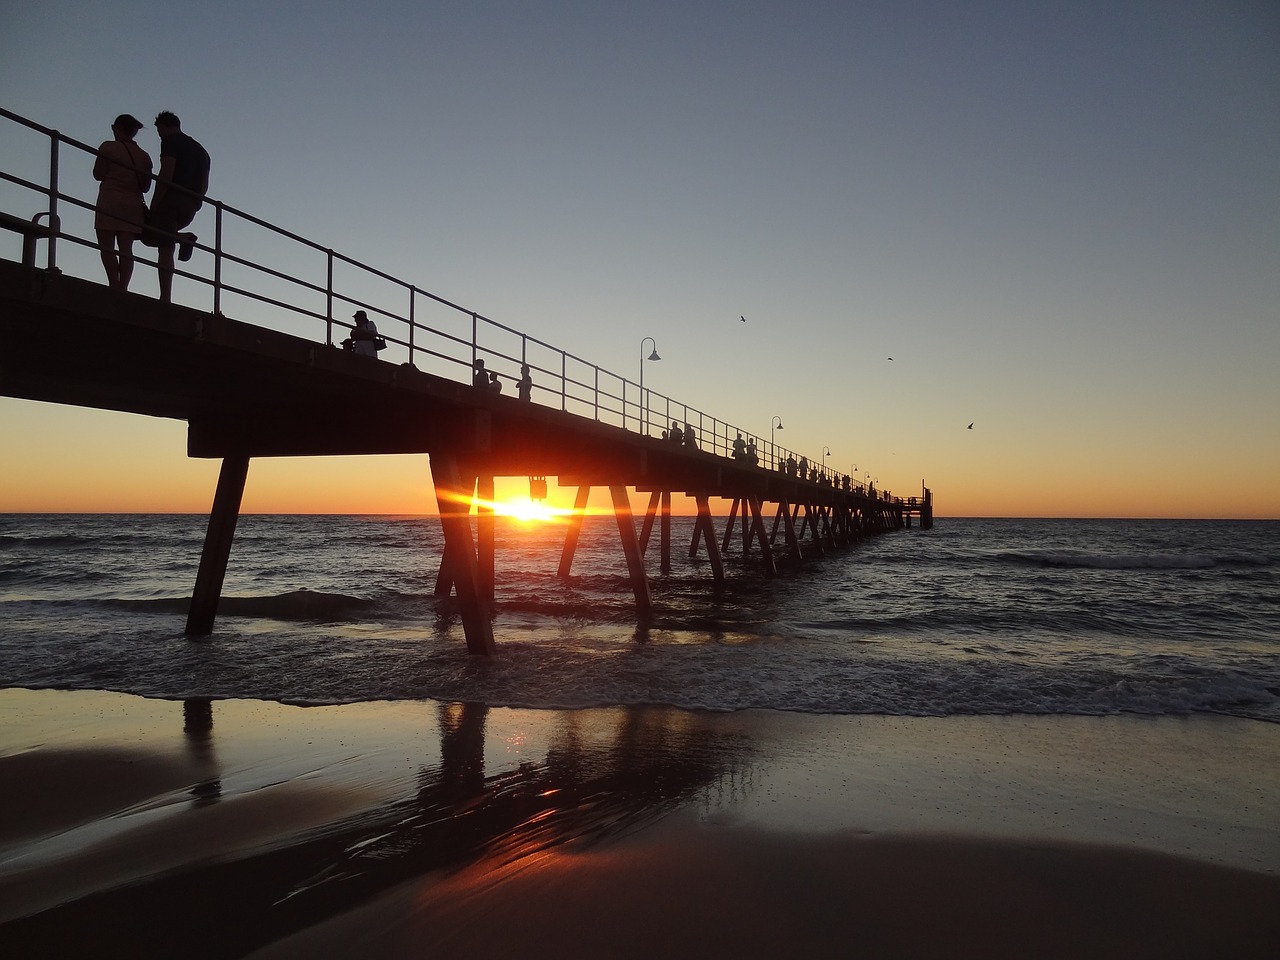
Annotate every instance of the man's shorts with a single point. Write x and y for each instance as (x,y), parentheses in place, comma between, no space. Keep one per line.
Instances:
(166,218)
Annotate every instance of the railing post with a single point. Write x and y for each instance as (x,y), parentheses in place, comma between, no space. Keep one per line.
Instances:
(217,257)
(413,300)
(475,342)
(328,299)
(55,225)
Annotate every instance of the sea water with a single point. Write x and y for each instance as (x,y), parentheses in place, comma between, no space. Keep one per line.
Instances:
(973,617)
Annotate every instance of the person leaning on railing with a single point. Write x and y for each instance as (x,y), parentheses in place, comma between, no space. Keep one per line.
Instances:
(123,172)
(364,340)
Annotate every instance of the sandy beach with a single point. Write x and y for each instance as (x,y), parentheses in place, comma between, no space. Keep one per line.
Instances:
(133,827)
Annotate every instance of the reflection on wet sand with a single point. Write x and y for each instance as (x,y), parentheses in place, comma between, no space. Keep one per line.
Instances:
(603,773)
(197,727)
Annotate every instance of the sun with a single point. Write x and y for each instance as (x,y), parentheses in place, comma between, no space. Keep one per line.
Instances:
(528,511)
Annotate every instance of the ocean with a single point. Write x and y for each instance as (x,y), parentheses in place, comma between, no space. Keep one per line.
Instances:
(973,617)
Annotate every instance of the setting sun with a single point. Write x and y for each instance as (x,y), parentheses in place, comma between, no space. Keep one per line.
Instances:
(528,511)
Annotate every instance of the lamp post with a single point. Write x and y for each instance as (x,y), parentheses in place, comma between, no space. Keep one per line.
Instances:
(773,450)
(826,452)
(644,408)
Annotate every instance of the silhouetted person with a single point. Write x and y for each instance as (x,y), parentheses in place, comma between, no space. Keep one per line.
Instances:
(753,458)
(804,468)
(180,188)
(676,435)
(123,170)
(364,336)
(495,385)
(791,466)
(524,386)
(690,437)
(739,448)
(480,378)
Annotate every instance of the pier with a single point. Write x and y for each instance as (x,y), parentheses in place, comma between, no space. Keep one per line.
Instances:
(282,386)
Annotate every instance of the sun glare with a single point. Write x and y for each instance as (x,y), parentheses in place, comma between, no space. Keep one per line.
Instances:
(528,511)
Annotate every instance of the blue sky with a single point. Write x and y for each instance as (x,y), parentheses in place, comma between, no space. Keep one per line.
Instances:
(1062,220)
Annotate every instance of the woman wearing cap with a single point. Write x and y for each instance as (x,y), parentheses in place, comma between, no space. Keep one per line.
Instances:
(364,335)
(124,171)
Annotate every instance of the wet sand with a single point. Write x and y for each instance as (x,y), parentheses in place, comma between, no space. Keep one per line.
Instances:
(156,828)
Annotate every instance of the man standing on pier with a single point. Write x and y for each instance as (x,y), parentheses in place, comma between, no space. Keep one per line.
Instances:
(181,185)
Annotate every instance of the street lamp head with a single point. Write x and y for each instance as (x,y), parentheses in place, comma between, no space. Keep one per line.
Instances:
(654,355)
(778,425)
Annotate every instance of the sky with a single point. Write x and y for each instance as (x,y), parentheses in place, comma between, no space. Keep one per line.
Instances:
(1060,219)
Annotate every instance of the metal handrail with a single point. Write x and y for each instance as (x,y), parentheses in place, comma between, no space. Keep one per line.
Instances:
(595,393)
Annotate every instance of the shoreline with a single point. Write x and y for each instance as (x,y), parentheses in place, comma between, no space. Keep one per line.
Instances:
(383,823)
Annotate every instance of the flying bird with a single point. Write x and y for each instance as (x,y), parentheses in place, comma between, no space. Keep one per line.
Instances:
(970,427)
(743,319)
(890,358)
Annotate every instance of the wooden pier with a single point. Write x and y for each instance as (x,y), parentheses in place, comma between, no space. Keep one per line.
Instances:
(247,392)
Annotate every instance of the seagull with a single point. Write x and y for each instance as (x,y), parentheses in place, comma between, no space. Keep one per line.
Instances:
(743,319)
(970,427)
(890,358)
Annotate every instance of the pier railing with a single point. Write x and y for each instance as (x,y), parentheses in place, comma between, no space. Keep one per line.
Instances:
(289,283)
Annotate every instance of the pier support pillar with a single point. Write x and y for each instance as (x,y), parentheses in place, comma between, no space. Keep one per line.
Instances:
(756,530)
(728,527)
(454,502)
(485,537)
(217,546)
(664,528)
(574,530)
(704,526)
(658,501)
(631,548)
(646,528)
(789,531)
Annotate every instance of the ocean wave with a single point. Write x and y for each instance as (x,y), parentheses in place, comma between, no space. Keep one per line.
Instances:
(1082,559)
(984,617)
(295,605)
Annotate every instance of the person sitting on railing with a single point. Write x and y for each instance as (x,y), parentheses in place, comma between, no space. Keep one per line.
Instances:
(124,171)
(184,164)
(524,386)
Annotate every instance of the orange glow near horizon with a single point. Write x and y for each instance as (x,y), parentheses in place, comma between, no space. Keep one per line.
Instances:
(70,460)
